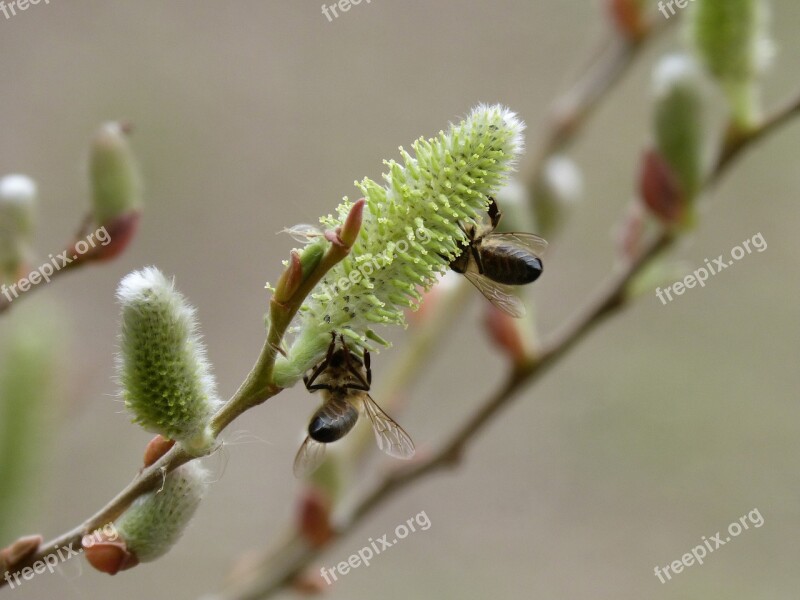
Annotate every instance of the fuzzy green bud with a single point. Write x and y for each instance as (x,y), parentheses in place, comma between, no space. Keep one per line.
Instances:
(114,174)
(310,257)
(167,382)
(17,217)
(730,38)
(514,203)
(152,525)
(679,124)
(411,228)
(556,191)
(27,374)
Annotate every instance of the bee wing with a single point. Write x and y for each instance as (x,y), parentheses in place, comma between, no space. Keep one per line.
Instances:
(302,232)
(529,241)
(499,294)
(308,458)
(391,438)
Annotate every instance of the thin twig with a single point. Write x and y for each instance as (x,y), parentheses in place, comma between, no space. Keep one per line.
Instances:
(569,112)
(737,143)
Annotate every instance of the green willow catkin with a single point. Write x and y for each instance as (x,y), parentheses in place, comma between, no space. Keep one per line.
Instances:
(679,125)
(731,39)
(155,521)
(412,228)
(166,381)
(17,216)
(114,174)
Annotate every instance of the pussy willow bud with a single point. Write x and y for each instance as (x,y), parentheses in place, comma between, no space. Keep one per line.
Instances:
(20,550)
(629,17)
(114,174)
(166,381)
(556,191)
(328,479)
(17,216)
(156,448)
(27,391)
(116,189)
(352,223)
(510,335)
(680,126)
(514,203)
(660,189)
(314,517)
(108,553)
(310,257)
(730,37)
(155,521)
(290,280)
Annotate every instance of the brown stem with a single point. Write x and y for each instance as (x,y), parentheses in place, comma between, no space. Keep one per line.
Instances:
(569,112)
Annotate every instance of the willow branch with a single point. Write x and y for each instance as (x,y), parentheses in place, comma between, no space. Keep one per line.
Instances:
(77,261)
(569,112)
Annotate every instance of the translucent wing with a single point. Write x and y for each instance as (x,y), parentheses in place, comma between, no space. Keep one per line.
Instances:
(529,241)
(499,294)
(302,232)
(391,438)
(308,458)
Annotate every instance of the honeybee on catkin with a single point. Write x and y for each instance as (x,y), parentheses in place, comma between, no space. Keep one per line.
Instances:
(494,262)
(344,381)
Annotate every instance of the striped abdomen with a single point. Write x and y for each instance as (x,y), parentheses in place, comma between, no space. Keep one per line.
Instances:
(509,264)
(332,421)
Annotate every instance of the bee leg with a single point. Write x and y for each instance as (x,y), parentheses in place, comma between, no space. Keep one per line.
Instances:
(363,384)
(319,386)
(310,379)
(494,213)
(477,258)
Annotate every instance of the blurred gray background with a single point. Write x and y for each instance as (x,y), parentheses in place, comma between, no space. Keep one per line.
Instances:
(669,423)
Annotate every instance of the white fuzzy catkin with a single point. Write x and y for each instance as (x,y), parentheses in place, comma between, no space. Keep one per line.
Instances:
(166,381)
(155,521)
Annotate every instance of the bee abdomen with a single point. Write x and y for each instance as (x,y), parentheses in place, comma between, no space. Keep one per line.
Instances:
(332,421)
(511,265)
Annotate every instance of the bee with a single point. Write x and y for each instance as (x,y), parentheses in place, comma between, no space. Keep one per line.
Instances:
(493,262)
(345,382)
